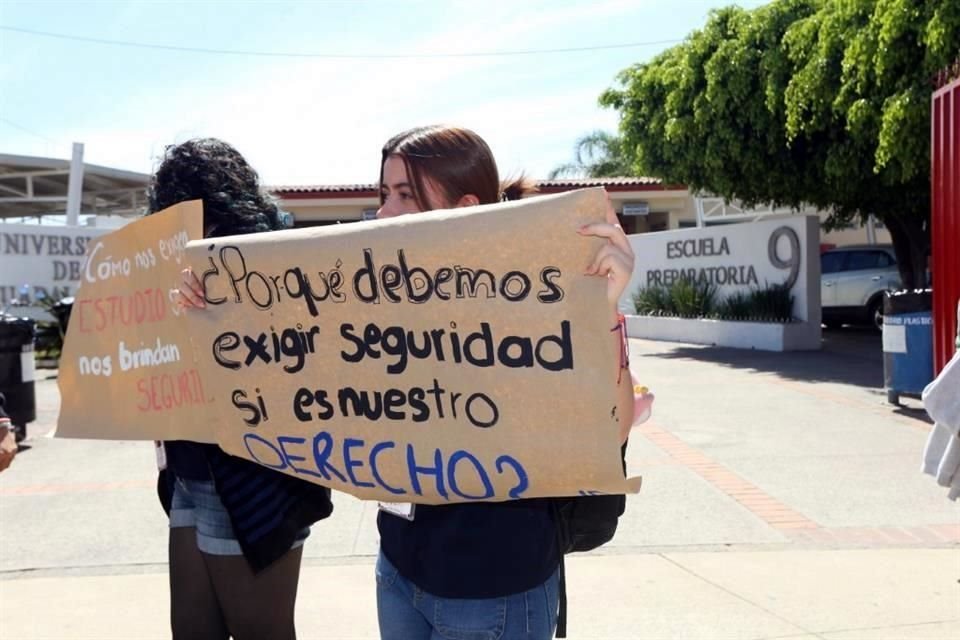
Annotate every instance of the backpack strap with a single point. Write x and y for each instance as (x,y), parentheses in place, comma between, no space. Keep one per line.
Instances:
(562,614)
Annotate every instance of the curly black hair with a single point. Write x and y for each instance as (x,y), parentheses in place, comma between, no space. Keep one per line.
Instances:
(211,170)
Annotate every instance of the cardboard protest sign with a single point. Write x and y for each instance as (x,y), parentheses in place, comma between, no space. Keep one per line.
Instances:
(127,370)
(441,357)
(447,356)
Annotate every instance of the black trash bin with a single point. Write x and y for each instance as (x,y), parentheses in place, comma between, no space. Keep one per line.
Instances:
(907,343)
(17,371)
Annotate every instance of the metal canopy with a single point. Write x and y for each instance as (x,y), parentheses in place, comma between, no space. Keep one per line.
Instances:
(35,187)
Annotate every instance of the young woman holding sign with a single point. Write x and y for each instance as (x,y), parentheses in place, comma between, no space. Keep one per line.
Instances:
(477,569)
(466,570)
(236,528)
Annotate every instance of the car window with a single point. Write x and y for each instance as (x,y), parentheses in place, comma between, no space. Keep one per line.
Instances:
(860,260)
(831,262)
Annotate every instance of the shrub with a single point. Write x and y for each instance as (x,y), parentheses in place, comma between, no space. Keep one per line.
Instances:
(686,299)
(772,303)
(693,299)
(653,301)
(736,306)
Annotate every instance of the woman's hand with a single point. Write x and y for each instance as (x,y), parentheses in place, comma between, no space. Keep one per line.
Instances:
(190,293)
(615,259)
(642,404)
(8,444)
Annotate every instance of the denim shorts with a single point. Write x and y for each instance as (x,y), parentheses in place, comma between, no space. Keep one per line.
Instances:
(196,504)
(406,612)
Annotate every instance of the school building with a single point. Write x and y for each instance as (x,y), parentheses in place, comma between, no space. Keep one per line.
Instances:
(642,204)
(33,188)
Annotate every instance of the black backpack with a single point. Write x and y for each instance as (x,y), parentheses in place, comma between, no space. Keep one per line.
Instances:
(583,524)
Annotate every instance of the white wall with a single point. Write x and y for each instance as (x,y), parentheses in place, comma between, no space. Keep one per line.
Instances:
(50,259)
(737,257)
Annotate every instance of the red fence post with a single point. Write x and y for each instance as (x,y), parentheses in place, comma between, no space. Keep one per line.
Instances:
(945,218)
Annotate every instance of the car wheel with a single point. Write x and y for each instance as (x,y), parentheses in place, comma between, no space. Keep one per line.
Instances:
(875,313)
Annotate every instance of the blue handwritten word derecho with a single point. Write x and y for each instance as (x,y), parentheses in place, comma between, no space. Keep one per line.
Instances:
(360,465)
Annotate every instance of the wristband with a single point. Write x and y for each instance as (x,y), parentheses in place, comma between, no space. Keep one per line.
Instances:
(621,327)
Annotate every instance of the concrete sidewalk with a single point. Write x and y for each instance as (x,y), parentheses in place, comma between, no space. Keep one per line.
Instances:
(782,499)
(865,594)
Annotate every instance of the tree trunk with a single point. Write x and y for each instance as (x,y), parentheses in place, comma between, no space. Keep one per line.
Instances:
(911,243)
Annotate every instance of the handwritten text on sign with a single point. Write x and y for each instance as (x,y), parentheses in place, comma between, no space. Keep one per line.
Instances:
(128,369)
(442,357)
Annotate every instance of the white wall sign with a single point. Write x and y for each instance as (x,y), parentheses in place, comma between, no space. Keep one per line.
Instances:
(48,259)
(736,257)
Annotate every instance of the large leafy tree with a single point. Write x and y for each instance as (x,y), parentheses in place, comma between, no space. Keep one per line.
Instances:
(800,102)
(597,154)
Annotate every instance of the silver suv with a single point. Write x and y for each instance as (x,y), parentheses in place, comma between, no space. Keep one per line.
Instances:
(852,282)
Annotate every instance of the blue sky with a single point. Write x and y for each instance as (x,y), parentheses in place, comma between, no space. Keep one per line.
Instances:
(311,120)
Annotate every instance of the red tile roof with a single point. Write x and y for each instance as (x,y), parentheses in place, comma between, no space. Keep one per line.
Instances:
(303,192)
(322,188)
(547,186)
(641,181)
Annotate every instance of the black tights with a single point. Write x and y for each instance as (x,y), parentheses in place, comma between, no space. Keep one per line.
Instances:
(216,597)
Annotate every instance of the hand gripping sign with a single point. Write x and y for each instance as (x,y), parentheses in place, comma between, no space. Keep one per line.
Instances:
(449,356)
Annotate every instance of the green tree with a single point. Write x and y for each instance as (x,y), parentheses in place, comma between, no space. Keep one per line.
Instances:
(598,154)
(819,102)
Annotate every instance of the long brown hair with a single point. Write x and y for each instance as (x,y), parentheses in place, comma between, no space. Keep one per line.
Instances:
(456,161)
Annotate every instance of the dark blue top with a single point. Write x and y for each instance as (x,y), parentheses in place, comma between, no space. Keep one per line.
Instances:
(189,460)
(473,550)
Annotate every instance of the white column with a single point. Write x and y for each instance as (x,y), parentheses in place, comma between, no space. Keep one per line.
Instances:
(75,188)
(871,230)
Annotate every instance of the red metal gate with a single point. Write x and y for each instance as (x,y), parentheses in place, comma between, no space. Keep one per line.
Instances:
(945,218)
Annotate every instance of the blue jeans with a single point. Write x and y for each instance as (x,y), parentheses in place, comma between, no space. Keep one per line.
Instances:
(406,612)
